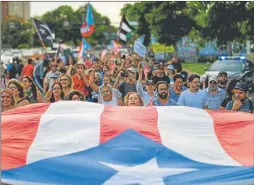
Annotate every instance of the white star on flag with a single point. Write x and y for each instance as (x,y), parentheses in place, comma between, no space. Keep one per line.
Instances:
(42,31)
(146,174)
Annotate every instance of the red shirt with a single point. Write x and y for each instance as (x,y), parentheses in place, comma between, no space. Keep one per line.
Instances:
(28,70)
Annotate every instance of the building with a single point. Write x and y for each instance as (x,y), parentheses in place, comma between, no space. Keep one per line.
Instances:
(15,9)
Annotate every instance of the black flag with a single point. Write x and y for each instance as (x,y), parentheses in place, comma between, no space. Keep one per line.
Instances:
(124,29)
(43,31)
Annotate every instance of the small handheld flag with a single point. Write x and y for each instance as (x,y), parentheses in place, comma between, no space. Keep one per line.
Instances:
(88,27)
(139,48)
(84,46)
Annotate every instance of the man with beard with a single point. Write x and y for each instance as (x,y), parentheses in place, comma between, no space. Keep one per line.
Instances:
(240,102)
(223,80)
(163,98)
(215,95)
(129,85)
(193,97)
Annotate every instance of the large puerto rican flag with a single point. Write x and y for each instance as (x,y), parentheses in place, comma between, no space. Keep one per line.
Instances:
(80,143)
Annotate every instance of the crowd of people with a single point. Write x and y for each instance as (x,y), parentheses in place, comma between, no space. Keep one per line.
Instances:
(129,80)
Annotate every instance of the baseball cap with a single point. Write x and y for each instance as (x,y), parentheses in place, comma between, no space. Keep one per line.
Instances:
(223,73)
(149,82)
(171,67)
(213,78)
(241,86)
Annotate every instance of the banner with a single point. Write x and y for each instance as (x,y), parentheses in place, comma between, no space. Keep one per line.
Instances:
(139,48)
(162,48)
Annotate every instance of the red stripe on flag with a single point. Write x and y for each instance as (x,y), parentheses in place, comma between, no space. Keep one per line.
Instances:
(235,131)
(19,128)
(115,120)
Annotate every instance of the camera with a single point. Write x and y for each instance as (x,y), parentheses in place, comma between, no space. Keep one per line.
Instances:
(124,74)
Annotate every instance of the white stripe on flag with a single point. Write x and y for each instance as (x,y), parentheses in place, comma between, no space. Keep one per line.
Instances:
(122,36)
(126,27)
(190,132)
(64,131)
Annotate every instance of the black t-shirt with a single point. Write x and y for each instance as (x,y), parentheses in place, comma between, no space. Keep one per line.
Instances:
(226,100)
(125,88)
(164,78)
(177,66)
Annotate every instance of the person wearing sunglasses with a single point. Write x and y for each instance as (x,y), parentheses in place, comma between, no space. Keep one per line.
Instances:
(51,77)
(17,90)
(7,100)
(214,94)
(57,93)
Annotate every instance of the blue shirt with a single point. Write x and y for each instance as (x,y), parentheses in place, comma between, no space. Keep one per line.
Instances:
(170,102)
(213,101)
(192,99)
(244,108)
(144,94)
(174,95)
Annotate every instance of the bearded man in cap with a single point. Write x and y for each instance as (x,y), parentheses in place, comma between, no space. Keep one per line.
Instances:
(222,80)
(215,95)
(241,102)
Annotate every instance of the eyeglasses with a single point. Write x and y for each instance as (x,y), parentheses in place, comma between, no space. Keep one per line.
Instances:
(64,79)
(57,88)
(12,88)
(25,81)
(5,97)
(53,66)
(213,83)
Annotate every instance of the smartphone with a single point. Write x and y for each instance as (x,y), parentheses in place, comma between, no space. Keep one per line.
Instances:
(124,74)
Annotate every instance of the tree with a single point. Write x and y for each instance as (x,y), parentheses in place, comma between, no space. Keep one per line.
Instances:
(57,18)
(138,12)
(226,22)
(169,22)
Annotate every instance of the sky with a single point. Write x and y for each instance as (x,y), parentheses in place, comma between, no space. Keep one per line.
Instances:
(109,9)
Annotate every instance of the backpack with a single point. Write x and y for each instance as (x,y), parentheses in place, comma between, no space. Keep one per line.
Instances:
(250,106)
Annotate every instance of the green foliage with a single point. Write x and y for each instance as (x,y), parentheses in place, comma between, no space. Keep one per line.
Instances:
(227,21)
(23,46)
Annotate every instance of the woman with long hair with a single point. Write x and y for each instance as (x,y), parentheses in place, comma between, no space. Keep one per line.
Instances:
(133,99)
(67,84)
(31,90)
(7,100)
(18,92)
(57,93)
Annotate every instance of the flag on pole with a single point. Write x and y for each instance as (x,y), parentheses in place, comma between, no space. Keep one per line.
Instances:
(82,143)
(84,46)
(43,31)
(124,29)
(88,26)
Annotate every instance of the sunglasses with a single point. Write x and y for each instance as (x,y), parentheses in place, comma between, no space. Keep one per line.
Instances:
(213,83)
(64,79)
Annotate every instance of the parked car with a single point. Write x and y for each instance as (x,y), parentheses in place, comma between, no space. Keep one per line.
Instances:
(235,66)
